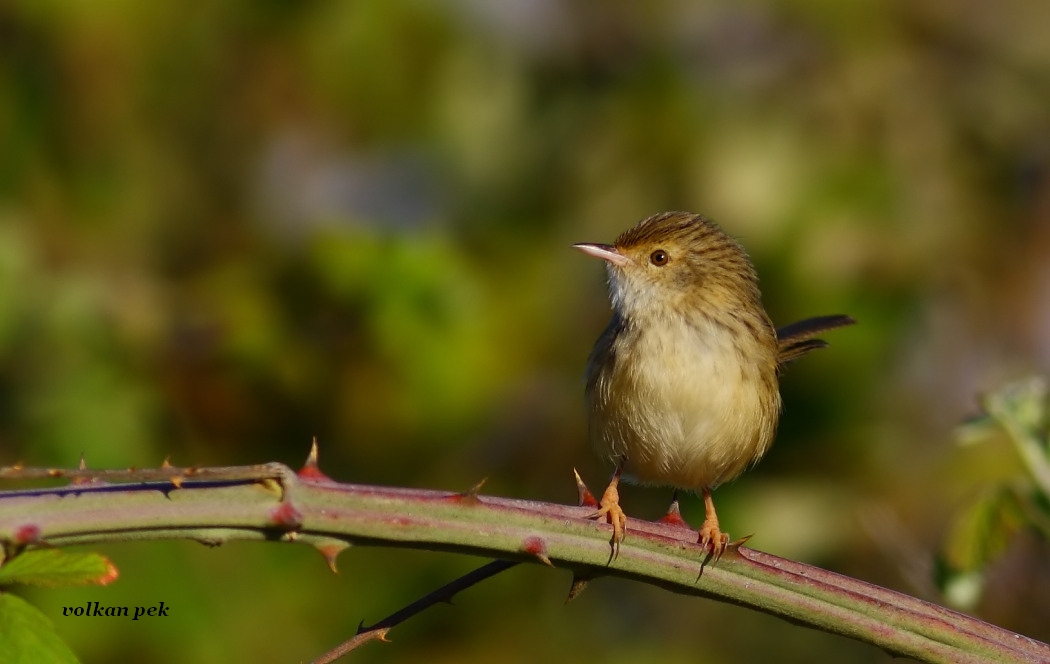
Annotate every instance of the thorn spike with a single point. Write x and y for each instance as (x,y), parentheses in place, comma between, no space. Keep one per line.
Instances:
(310,469)
(586,498)
(470,496)
(674,514)
(579,583)
(330,551)
(476,489)
(81,466)
(740,542)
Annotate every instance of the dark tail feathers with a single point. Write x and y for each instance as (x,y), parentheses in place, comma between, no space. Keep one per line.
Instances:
(799,338)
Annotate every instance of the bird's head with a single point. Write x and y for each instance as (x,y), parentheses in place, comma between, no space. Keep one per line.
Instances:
(677,263)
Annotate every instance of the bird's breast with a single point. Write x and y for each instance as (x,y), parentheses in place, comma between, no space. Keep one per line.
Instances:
(688,405)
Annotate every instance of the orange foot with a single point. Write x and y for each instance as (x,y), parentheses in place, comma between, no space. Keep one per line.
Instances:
(711,537)
(609,509)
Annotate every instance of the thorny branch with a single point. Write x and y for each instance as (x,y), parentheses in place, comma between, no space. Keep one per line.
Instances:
(444,594)
(272,502)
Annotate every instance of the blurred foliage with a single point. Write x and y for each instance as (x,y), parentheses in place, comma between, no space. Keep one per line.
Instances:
(228,227)
(983,531)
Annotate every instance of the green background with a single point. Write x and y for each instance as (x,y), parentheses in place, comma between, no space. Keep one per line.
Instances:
(228,227)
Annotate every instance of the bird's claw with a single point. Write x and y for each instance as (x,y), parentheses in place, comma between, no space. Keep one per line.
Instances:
(713,540)
(610,510)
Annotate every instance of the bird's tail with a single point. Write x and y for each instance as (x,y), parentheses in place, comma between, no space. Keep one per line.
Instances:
(797,339)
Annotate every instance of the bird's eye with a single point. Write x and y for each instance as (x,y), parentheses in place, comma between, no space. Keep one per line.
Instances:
(658,257)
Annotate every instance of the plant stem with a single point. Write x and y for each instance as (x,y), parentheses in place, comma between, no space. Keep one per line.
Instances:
(274,503)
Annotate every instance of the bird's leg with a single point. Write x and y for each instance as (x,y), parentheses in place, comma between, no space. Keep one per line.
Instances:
(710,535)
(609,509)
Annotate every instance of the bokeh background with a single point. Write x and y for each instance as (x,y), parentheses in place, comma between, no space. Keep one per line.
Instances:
(228,227)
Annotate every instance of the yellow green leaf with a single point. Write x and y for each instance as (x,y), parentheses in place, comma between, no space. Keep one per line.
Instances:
(27,636)
(53,568)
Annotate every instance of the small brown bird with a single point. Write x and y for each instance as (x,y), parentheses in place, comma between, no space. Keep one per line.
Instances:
(682,386)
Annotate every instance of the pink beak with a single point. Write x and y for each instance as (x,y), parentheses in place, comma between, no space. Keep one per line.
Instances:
(606,252)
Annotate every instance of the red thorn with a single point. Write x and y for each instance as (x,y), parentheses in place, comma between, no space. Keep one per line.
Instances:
(82,465)
(331,551)
(470,496)
(674,515)
(177,480)
(28,534)
(537,547)
(310,470)
(286,517)
(586,497)
(476,489)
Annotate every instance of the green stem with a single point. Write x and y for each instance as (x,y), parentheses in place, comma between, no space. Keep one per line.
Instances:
(272,502)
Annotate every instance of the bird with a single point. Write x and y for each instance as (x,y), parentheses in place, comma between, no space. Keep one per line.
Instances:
(682,387)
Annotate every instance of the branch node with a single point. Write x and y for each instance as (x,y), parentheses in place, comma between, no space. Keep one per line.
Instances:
(286,517)
(27,534)
(537,548)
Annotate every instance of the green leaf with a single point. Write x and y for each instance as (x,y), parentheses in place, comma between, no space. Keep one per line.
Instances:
(1025,403)
(52,568)
(981,533)
(1023,410)
(27,636)
(979,430)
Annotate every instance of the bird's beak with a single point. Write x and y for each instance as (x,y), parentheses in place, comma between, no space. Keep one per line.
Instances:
(606,252)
